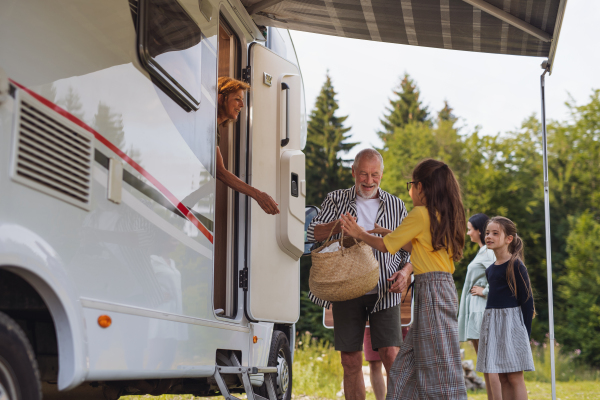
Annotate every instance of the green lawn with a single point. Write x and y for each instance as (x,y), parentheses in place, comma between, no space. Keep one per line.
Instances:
(583,390)
(317,373)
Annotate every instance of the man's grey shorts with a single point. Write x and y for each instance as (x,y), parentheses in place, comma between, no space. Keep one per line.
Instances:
(350,318)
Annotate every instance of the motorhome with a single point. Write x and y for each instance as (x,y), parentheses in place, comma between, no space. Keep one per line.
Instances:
(126,267)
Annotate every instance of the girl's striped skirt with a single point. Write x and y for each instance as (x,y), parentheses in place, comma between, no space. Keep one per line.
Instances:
(504,342)
(428,365)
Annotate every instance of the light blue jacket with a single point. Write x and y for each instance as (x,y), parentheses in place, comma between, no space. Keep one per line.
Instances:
(471,308)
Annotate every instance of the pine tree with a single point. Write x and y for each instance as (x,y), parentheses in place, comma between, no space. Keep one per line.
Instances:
(446,114)
(406,108)
(327,138)
(325,170)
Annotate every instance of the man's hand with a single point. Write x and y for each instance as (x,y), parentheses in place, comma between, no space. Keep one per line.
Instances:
(266,202)
(477,291)
(401,279)
(399,282)
(322,231)
(379,230)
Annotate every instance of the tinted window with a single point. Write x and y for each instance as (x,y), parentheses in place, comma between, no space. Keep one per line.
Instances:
(170,50)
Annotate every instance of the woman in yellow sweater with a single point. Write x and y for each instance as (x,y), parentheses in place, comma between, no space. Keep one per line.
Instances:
(428,365)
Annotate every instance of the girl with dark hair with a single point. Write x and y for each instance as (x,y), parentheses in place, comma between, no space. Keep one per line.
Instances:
(428,364)
(474,295)
(506,327)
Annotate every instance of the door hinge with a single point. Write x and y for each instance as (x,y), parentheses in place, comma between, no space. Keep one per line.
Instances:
(243,279)
(246,74)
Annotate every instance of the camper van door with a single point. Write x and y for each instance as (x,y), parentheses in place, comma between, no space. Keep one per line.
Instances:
(277,168)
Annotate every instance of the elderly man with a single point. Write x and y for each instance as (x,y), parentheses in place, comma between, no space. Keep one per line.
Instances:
(378,212)
(230,103)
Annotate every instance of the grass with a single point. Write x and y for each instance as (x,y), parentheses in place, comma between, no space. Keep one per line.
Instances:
(318,373)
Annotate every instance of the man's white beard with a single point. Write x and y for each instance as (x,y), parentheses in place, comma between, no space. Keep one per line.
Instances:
(362,194)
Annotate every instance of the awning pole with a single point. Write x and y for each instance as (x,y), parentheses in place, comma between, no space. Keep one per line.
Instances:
(547,219)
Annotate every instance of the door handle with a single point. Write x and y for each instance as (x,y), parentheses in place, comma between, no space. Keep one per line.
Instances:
(284,142)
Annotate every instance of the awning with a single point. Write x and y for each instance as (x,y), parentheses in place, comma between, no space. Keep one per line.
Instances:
(517,27)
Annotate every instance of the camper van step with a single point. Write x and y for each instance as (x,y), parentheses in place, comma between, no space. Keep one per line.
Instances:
(250,370)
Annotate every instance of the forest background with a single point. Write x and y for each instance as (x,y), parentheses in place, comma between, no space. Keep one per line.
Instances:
(499,175)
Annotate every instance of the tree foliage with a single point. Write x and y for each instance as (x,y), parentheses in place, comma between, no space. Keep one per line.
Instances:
(580,322)
(503,175)
(327,138)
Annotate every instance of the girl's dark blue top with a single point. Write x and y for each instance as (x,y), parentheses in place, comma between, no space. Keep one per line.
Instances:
(500,295)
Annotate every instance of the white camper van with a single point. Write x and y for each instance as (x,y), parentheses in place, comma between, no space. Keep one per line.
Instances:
(125,266)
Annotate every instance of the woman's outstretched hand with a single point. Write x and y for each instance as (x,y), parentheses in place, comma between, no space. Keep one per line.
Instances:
(350,226)
(266,202)
(379,230)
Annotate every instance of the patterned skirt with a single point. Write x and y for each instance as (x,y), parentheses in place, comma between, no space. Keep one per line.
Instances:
(504,342)
(428,365)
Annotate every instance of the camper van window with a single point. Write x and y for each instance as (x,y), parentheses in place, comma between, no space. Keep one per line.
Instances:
(170,49)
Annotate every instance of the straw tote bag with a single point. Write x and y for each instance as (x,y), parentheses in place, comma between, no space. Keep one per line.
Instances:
(344,274)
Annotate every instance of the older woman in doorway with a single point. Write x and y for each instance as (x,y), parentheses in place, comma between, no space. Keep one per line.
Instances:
(230,103)
(474,295)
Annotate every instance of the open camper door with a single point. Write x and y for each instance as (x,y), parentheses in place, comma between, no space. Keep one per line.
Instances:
(277,168)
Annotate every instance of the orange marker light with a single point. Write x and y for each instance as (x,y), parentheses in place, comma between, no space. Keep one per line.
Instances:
(254,339)
(104,321)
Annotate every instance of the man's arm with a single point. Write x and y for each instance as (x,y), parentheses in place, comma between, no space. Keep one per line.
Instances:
(322,231)
(265,201)
(321,225)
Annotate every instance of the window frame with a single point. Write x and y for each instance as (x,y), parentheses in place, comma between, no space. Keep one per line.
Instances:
(159,75)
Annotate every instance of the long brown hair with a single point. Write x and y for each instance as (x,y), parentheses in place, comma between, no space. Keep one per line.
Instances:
(515,248)
(444,205)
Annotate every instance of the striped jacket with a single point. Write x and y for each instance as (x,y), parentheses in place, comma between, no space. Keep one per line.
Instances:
(390,215)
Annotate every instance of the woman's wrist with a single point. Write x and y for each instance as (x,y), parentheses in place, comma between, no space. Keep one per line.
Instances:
(361,235)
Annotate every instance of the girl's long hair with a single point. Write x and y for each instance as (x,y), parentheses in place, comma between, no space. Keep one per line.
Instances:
(515,248)
(444,205)
(479,222)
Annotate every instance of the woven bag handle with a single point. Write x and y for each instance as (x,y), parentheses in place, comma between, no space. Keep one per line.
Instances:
(341,240)
(332,229)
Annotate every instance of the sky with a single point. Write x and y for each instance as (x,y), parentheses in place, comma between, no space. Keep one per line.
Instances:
(494,92)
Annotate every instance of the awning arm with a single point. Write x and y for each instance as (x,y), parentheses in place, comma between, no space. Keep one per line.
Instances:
(557,26)
(262,5)
(509,19)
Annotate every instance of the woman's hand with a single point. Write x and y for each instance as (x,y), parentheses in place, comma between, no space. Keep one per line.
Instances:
(266,202)
(350,227)
(477,291)
(379,230)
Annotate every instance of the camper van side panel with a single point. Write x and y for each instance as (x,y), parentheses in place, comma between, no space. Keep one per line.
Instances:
(142,261)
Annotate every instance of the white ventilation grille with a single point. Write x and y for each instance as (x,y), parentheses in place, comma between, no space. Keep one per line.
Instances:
(51,153)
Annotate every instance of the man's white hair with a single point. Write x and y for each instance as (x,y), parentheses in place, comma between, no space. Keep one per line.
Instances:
(369,154)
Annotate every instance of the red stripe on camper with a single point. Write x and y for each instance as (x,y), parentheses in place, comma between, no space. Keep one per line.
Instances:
(184,210)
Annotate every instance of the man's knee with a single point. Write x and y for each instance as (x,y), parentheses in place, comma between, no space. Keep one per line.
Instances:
(352,361)
(388,354)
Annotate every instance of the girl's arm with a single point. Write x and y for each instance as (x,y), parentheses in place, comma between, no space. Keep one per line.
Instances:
(400,238)
(351,228)
(486,290)
(524,295)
